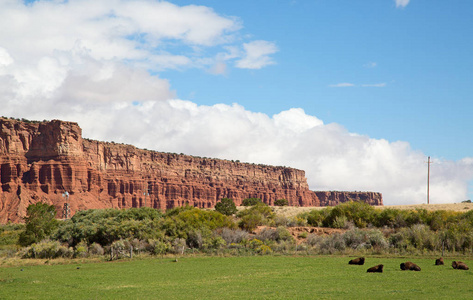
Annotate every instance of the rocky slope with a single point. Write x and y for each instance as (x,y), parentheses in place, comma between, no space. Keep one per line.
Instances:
(40,161)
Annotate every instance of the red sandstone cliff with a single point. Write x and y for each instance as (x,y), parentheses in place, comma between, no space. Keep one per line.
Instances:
(39,161)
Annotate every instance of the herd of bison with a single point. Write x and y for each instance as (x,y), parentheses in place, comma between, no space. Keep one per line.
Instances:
(407,265)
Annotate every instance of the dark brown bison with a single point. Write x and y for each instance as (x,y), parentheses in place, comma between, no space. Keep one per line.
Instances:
(410,266)
(459,265)
(376,269)
(357,261)
(439,262)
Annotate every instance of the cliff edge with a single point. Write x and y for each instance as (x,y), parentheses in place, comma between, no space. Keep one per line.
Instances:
(40,161)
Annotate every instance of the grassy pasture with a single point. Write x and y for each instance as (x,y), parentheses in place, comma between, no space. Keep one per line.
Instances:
(253,277)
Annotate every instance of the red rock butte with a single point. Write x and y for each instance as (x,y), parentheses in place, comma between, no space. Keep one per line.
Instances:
(40,161)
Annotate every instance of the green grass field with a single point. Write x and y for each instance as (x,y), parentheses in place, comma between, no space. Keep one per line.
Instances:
(255,277)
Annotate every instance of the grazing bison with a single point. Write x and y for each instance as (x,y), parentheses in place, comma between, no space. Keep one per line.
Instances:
(459,265)
(439,262)
(376,269)
(410,266)
(357,261)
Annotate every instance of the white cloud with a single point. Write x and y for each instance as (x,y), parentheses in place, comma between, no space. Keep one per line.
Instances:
(343,84)
(401,3)
(333,158)
(257,55)
(383,84)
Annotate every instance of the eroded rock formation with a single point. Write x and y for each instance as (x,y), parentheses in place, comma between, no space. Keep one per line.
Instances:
(39,161)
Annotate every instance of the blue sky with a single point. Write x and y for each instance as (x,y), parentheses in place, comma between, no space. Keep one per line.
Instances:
(420,53)
(357,93)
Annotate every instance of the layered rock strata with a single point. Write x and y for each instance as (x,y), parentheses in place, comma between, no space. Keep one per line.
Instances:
(40,161)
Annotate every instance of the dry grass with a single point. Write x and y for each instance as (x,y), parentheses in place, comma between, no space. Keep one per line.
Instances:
(292,211)
(461,207)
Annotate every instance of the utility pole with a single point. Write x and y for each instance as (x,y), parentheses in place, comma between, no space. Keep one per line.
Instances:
(428,180)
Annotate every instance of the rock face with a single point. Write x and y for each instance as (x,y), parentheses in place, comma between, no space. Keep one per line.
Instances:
(40,161)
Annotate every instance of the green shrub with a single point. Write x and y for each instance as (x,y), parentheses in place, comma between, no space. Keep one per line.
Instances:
(40,223)
(104,226)
(158,247)
(47,249)
(283,234)
(316,217)
(281,202)
(81,250)
(303,235)
(96,249)
(181,222)
(251,201)
(416,238)
(360,213)
(233,236)
(254,216)
(226,207)
(250,222)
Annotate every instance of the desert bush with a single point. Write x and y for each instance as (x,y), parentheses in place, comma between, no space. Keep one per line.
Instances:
(104,226)
(216,243)
(280,220)
(158,247)
(340,222)
(195,239)
(179,245)
(313,239)
(96,249)
(418,237)
(251,202)
(47,249)
(260,209)
(264,250)
(441,218)
(250,222)
(255,243)
(182,221)
(267,234)
(81,249)
(303,235)
(365,239)
(233,236)
(118,246)
(226,207)
(316,217)
(329,244)
(360,213)
(281,202)
(278,235)
(283,234)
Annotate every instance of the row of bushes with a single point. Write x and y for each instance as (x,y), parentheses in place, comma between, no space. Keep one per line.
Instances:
(419,239)
(179,229)
(363,215)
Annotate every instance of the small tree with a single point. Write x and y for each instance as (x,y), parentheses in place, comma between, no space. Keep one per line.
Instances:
(226,207)
(40,223)
(281,202)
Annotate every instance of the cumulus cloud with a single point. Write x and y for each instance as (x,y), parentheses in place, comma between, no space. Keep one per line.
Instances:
(257,55)
(97,63)
(401,3)
(333,158)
